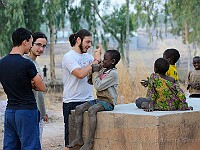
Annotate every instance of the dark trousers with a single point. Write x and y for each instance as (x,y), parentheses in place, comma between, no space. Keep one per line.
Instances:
(21,130)
(67,107)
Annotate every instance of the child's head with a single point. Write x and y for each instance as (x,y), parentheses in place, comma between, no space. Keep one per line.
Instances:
(111,58)
(172,55)
(196,62)
(161,66)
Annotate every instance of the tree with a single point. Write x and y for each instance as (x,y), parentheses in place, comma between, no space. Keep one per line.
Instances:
(54,12)
(33,14)
(12,17)
(16,14)
(127,32)
(115,25)
(185,21)
(181,18)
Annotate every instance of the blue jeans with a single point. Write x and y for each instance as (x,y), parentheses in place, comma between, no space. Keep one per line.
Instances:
(21,130)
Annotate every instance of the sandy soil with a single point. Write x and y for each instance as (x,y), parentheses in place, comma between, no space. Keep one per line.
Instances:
(53,131)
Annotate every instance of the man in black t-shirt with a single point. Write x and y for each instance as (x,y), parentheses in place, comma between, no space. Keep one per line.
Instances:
(18,76)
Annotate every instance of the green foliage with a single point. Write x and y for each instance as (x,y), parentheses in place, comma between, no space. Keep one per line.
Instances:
(175,15)
(185,12)
(15,14)
(33,14)
(115,24)
(12,17)
(54,13)
(75,17)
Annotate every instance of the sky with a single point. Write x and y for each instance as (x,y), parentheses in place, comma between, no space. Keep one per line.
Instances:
(118,1)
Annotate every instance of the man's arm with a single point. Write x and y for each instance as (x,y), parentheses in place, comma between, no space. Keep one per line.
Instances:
(39,85)
(83,72)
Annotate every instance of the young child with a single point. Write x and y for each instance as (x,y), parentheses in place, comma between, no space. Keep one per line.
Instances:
(105,82)
(163,93)
(172,55)
(194,78)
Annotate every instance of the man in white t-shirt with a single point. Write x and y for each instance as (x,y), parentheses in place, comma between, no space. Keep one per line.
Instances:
(76,65)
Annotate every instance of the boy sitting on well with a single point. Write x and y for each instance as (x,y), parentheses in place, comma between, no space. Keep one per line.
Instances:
(105,82)
(194,79)
(163,93)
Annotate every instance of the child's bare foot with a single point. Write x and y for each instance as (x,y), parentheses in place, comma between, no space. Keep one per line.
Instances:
(190,108)
(76,143)
(87,146)
(147,106)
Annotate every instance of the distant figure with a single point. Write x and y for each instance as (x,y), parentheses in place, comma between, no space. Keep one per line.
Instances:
(163,92)
(194,78)
(45,72)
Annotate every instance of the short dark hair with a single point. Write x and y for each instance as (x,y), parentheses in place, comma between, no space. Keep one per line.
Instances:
(161,65)
(81,34)
(37,35)
(19,35)
(196,57)
(114,54)
(173,54)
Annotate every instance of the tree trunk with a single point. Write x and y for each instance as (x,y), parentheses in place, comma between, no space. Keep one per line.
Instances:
(188,46)
(52,61)
(127,34)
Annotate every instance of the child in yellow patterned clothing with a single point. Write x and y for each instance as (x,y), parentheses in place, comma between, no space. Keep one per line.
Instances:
(163,93)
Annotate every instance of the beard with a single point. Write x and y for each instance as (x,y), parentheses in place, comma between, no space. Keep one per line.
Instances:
(81,48)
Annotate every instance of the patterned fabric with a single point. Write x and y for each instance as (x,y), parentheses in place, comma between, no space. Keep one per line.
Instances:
(103,73)
(165,94)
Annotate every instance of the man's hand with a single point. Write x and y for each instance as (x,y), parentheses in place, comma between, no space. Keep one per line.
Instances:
(95,68)
(46,118)
(33,84)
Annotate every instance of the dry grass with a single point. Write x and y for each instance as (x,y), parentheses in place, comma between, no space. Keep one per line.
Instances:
(129,80)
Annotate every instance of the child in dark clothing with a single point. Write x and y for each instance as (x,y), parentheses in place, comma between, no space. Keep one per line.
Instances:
(194,78)
(105,82)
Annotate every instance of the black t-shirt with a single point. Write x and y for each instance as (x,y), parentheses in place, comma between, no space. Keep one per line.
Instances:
(16,73)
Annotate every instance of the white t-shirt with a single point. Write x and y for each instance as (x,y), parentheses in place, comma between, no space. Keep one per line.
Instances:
(75,90)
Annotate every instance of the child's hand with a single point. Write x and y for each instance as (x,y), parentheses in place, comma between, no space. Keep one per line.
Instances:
(97,53)
(196,86)
(46,118)
(145,82)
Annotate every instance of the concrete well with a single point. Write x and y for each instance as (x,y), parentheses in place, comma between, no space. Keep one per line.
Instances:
(130,128)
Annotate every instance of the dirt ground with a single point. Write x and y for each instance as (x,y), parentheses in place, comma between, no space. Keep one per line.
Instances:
(53,131)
